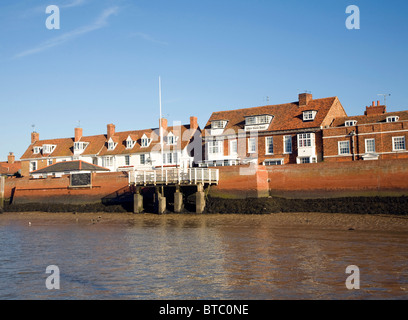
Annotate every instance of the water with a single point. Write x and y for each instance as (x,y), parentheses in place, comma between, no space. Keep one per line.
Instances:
(197,257)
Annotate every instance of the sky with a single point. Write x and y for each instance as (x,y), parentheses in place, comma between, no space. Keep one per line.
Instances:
(103,64)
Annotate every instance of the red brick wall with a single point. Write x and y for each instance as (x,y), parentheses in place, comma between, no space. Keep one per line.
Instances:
(57,190)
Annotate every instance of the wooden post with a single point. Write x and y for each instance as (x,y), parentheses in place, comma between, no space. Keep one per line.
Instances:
(2,187)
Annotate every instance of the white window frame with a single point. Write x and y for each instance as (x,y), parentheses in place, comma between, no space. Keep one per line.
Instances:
(394,142)
(215,147)
(171,139)
(285,144)
(111,145)
(340,148)
(268,144)
(260,119)
(233,150)
(142,159)
(366,142)
(33,166)
(309,115)
(305,140)
(170,158)
(350,123)
(48,148)
(80,146)
(108,161)
(37,150)
(218,124)
(130,143)
(252,145)
(145,142)
(49,162)
(127,160)
(392,119)
(279,162)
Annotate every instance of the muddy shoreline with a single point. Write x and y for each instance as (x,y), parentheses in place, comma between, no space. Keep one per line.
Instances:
(352,205)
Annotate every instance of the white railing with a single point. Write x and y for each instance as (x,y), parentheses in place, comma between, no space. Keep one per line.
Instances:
(174,176)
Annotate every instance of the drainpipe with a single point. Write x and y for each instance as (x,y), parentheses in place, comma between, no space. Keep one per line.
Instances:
(353,134)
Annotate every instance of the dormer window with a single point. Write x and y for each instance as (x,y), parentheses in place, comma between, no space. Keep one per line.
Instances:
(309,115)
(145,141)
(130,143)
(218,124)
(350,123)
(257,123)
(253,120)
(48,148)
(393,119)
(111,145)
(37,150)
(80,146)
(171,139)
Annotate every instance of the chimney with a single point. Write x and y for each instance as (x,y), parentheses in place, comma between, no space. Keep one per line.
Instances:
(193,123)
(110,130)
(78,134)
(163,123)
(35,136)
(11,158)
(304,99)
(375,109)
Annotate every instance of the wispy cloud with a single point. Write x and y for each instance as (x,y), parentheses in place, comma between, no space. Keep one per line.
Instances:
(41,8)
(99,23)
(74,3)
(147,37)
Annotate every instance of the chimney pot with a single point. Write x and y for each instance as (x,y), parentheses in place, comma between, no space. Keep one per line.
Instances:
(11,158)
(373,104)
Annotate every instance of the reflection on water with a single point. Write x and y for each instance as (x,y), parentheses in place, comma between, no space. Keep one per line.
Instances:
(198,257)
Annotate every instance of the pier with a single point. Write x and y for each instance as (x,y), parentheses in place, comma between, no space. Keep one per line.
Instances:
(200,178)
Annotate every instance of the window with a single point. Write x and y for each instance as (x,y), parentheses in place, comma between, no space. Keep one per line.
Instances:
(48,148)
(171,139)
(170,158)
(350,123)
(215,147)
(142,159)
(273,162)
(111,145)
(305,140)
(33,165)
(370,145)
(108,161)
(309,115)
(398,143)
(263,119)
(37,150)
(79,146)
(218,124)
(269,145)
(344,147)
(130,144)
(233,147)
(392,119)
(252,145)
(145,142)
(127,160)
(287,141)
(304,160)
(49,162)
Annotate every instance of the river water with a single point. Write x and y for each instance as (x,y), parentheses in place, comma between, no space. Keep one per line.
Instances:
(197,257)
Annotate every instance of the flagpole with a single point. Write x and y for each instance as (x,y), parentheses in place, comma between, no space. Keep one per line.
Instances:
(161,128)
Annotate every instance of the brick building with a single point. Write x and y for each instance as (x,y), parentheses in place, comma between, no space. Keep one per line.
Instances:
(377,134)
(270,135)
(11,167)
(119,151)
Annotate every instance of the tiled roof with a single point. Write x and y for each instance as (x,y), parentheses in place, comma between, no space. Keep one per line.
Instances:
(98,144)
(379,118)
(286,116)
(10,168)
(68,166)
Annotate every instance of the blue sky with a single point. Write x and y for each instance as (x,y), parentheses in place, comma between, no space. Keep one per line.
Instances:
(102,65)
